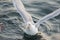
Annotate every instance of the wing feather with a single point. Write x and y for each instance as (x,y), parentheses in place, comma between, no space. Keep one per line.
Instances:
(47,17)
(21,10)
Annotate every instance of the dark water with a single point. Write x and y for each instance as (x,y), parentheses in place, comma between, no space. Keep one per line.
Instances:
(38,9)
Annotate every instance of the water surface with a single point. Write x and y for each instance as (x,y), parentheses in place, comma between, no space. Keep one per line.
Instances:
(38,9)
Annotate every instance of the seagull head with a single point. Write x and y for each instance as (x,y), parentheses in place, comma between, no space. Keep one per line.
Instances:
(31,29)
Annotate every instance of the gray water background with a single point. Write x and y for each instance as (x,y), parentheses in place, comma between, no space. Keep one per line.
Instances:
(38,9)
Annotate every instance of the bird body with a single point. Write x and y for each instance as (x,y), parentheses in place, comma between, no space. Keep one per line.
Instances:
(31,28)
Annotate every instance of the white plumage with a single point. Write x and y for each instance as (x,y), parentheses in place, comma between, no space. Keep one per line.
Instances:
(47,17)
(31,28)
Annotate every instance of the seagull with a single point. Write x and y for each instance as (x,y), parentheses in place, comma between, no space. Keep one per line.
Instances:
(31,28)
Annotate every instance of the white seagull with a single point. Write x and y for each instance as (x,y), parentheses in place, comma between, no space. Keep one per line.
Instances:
(31,28)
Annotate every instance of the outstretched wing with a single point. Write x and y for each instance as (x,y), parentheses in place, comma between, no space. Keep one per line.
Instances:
(21,10)
(47,17)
